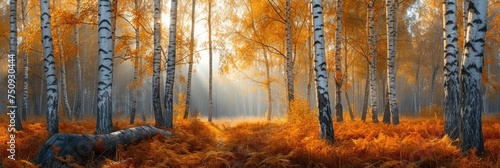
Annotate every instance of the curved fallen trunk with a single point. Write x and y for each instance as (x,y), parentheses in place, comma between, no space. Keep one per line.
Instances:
(62,149)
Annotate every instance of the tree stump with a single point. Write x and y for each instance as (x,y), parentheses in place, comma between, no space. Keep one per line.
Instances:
(62,149)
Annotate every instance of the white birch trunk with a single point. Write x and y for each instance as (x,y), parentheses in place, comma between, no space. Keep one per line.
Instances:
(451,74)
(40,96)
(50,72)
(26,68)
(390,62)
(210,84)
(157,65)
(325,118)
(64,87)
(169,82)
(104,98)
(190,62)
(79,94)
(471,135)
(366,95)
(134,89)
(310,69)
(289,56)
(372,51)
(338,66)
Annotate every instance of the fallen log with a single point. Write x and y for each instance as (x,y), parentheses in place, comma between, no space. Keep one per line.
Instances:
(62,149)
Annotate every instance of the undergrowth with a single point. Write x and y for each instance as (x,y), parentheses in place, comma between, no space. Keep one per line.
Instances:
(292,142)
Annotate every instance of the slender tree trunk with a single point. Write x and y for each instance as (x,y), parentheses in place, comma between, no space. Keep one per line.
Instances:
(351,114)
(190,62)
(471,135)
(384,92)
(338,66)
(79,93)
(104,98)
(64,87)
(289,56)
(86,92)
(372,50)
(134,105)
(451,71)
(367,92)
(433,83)
(157,65)
(415,111)
(325,120)
(210,83)
(50,72)
(310,68)
(387,109)
(26,70)
(418,102)
(391,78)
(36,100)
(135,87)
(40,102)
(395,16)
(170,69)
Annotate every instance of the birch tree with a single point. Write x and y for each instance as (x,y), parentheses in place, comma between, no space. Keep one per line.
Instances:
(310,68)
(471,135)
(79,94)
(136,83)
(190,62)
(373,60)
(338,66)
(325,118)
(104,99)
(391,78)
(451,90)
(289,57)
(210,84)
(50,72)
(169,82)
(26,68)
(156,65)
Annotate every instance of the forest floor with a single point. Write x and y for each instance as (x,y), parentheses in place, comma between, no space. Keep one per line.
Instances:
(291,142)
